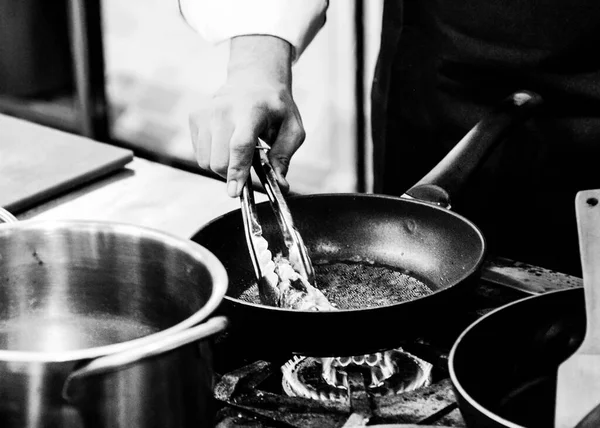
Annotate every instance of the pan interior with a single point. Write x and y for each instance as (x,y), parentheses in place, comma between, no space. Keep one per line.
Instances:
(367,250)
(352,285)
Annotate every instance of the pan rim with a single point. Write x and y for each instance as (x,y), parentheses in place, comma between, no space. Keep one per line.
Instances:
(465,275)
(452,357)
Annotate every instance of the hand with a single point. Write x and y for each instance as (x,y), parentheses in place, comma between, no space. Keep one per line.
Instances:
(255,101)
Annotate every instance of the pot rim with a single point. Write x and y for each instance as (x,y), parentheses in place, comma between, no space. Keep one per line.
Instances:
(196,251)
(452,356)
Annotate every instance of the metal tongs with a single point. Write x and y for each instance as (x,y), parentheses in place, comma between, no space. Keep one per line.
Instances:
(257,244)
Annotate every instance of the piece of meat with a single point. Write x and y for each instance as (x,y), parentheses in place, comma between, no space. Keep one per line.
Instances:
(295,292)
(284,287)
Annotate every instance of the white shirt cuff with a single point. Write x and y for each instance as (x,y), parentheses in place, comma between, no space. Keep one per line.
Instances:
(295,21)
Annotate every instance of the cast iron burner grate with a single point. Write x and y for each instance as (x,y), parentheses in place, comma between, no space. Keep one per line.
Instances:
(254,398)
(251,395)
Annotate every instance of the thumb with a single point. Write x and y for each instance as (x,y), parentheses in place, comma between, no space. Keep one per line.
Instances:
(290,137)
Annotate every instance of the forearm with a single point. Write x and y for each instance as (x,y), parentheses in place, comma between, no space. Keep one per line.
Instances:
(264,57)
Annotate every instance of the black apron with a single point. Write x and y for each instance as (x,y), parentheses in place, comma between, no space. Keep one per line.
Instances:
(444,63)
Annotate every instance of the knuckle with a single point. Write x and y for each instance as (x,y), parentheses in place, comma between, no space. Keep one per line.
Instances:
(235,170)
(241,150)
(277,103)
(297,133)
(276,99)
(253,108)
(218,96)
(240,157)
(217,117)
(241,143)
(220,111)
(283,160)
(300,134)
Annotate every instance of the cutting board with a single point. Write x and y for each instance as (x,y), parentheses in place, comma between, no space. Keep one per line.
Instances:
(38,163)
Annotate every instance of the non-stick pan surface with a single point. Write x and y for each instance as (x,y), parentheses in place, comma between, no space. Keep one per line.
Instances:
(504,366)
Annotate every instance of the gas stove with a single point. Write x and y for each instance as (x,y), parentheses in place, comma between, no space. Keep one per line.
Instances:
(405,385)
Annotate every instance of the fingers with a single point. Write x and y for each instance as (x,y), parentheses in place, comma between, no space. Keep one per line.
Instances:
(224,142)
(290,137)
(241,149)
(225,135)
(221,131)
(201,139)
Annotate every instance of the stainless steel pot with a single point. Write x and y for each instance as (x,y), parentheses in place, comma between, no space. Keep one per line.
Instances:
(99,326)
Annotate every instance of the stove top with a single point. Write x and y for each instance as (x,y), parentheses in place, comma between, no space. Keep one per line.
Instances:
(249,389)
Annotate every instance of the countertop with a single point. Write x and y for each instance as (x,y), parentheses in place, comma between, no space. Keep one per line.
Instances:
(147,194)
(143,193)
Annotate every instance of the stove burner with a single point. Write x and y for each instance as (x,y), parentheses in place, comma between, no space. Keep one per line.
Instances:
(326,379)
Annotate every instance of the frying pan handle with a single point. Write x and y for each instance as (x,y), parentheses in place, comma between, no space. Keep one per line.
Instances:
(120,360)
(7,217)
(449,175)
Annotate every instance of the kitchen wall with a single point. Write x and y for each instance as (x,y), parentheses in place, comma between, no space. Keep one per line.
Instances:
(159,70)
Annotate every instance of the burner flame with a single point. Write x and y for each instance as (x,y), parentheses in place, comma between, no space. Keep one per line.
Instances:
(380,367)
(390,372)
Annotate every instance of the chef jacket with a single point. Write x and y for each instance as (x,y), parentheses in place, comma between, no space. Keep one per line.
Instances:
(442,65)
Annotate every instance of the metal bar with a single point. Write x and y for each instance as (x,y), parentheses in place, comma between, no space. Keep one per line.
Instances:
(85,30)
(273,418)
(283,403)
(525,277)
(244,378)
(297,252)
(438,415)
(252,228)
(360,402)
(359,89)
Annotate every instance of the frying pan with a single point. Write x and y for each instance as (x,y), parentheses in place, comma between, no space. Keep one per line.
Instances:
(395,265)
(503,367)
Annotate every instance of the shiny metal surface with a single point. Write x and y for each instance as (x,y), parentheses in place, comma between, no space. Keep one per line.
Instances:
(119,360)
(73,291)
(296,251)
(6,216)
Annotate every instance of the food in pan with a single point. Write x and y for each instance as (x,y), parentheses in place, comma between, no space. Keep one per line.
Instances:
(284,287)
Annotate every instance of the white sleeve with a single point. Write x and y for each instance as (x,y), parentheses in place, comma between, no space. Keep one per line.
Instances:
(296,21)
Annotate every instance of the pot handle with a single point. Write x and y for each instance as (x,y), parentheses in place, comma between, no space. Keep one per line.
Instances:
(7,217)
(449,175)
(126,358)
